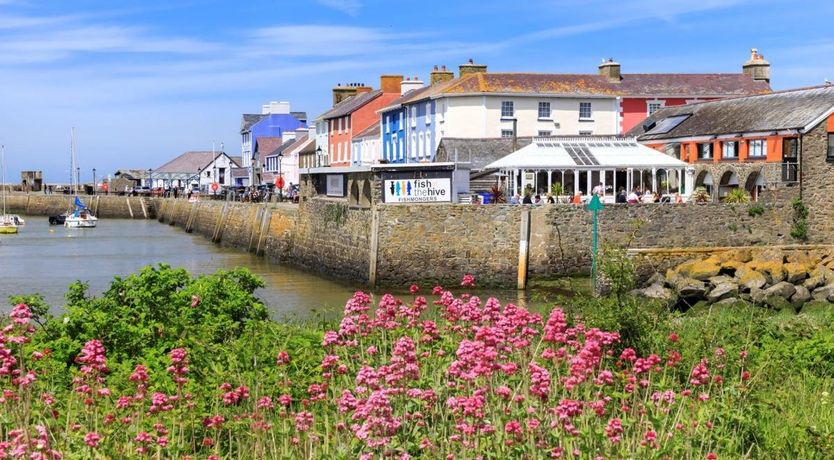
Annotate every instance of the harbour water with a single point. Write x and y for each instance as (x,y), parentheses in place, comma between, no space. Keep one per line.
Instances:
(45,259)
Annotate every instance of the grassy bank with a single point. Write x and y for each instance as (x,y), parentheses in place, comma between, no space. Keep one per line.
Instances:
(165,365)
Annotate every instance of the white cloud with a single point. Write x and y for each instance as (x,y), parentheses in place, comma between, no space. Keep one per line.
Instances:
(350,7)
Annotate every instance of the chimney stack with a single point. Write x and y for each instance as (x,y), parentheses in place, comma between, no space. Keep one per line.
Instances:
(610,70)
(440,76)
(757,68)
(470,68)
(340,93)
(408,85)
(390,83)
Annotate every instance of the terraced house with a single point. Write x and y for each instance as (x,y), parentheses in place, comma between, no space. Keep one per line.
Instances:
(479,104)
(777,146)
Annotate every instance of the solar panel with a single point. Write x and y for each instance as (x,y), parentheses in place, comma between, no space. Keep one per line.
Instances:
(667,124)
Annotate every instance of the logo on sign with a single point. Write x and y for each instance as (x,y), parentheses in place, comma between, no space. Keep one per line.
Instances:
(418,191)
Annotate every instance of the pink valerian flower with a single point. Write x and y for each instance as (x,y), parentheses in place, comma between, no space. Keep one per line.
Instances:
(650,439)
(214,421)
(613,430)
(303,421)
(539,381)
(93,358)
(285,400)
(329,361)
(20,314)
(195,301)
(700,374)
(330,338)
(468,280)
(283,359)
(513,428)
(554,329)
(265,403)
(375,422)
(414,289)
(140,374)
(712,456)
(179,365)
(92,439)
(235,396)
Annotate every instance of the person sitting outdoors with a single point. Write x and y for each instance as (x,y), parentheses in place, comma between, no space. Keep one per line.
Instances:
(648,197)
(527,199)
(550,199)
(577,198)
(599,190)
(633,198)
(515,199)
(537,200)
(621,196)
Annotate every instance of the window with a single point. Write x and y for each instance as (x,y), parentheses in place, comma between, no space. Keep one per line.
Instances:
(758,148)
(401,120)
(347,123)
(705,151)
(830,156)
(413,146)
(586,133)
(585,111)
(790,147)
(428,113)
(654,107)
(340,125)
(507,109)
(420,146)
(339,151)
(545,133)
(387,123)
(507,133)
(730,149)
(414,116)
(544,110)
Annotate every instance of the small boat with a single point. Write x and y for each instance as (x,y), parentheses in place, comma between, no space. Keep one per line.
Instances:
(17,219)
(81,217)
(7,226)
(58,220)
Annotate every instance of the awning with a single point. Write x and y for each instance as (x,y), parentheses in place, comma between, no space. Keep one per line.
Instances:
(585,153)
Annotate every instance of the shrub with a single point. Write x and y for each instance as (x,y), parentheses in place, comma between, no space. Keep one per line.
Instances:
(755,210)
(799,229)
(737,196)
(700,195)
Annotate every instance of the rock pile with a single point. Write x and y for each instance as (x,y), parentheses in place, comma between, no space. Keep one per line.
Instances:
(781,280)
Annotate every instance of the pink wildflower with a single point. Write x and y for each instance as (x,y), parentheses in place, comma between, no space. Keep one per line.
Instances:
(92,439)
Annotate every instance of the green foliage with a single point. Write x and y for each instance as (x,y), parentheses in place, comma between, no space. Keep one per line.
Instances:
(617,270)
(37,305)
(145,315)
(700,195)
(737,196)
(498,195)
(556,189)
(755,210)
(799,229)
(640,323)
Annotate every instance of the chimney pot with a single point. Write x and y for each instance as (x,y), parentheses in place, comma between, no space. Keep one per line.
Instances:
(757,67)
(435,67)
(471,68)
(611,70)
(471,61)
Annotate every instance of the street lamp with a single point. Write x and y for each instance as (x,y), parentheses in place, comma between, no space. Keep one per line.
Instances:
(150,182)
(318,157)
(94,181)
(281,176)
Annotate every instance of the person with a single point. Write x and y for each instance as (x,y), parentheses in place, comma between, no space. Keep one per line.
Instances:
(527,199)
(550,199)
(598,190)
(476,199)
(678,198)
(621,196)
(537,200)
(515,199)
(648,197)
(633,198)
(577,198)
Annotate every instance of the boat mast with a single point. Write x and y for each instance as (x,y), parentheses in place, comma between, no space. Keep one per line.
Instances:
(73,185)
(3,167)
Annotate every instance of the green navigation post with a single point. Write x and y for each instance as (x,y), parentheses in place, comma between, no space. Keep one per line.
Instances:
(594,206)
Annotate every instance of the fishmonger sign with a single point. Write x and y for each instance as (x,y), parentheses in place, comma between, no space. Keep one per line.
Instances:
(418,191)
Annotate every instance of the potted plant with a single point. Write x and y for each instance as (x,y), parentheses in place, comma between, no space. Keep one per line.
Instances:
(700,195)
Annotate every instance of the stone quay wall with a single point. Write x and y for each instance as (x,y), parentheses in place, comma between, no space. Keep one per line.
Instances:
(105,206)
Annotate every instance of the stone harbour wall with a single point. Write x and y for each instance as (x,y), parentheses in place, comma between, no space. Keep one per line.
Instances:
(399,244)
(105,206)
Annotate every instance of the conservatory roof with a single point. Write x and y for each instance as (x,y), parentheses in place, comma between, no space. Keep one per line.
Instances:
(585,153)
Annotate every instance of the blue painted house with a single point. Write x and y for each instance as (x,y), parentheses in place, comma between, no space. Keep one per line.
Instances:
(411,131)
(275,121)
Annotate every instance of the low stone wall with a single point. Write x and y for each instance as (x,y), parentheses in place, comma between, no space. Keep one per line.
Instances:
(104,206)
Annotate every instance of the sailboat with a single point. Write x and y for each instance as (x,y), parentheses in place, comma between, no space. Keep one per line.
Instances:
(79,215)
(7,222)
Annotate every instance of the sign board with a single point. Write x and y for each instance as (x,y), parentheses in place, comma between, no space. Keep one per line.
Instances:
(335,185)
(418,191)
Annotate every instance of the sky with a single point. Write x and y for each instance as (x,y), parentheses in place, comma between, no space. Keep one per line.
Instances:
(145,81)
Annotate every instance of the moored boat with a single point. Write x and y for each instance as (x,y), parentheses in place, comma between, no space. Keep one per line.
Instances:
(8,225)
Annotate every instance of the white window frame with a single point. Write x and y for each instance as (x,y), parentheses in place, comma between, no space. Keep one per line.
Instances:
(729,147)
(339,151)
(428,113)
(413,145)
(761,148)
(506,131)
(505,105)
(549,115)
(401,125)
(590,115)
(413,116)
(585,132)
(543,133)
(387,123)
(660,104)
(707,148)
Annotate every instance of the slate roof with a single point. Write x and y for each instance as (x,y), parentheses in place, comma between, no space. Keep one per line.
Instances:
(350,105)
(188,162)
(248,120)
(478,152)
(266,144)
(634,85)
(792,109)
(240,172)
(237,159)
(370,131)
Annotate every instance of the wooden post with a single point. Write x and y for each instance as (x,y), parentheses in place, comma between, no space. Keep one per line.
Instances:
(372,263)
(191,216)
(265,222)
(28,197)
(129,209)
(255,227)
(215,237)
(523,249)
(142,205)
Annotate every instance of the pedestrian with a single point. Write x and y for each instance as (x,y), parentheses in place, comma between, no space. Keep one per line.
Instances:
(598,190)
(527,199)
(577,198)
(678,198)
(550,199)
(537,200)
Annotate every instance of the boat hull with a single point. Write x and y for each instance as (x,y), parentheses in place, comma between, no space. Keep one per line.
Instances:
(80,223)
(8,229)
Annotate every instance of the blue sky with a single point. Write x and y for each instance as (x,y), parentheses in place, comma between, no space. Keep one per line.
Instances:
(145,81)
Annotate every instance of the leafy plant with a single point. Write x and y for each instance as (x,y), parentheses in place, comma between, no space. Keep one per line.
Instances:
(700,195)
(557,190)
(737,195)
(799,229)
(755,210)
(498,195)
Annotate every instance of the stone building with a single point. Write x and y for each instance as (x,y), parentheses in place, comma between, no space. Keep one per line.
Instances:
(779,145)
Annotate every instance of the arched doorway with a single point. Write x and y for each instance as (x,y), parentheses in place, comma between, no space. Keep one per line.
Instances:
(704,179)
(729,181)
(754,185)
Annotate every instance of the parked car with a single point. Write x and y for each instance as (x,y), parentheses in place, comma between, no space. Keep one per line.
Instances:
(141,190)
